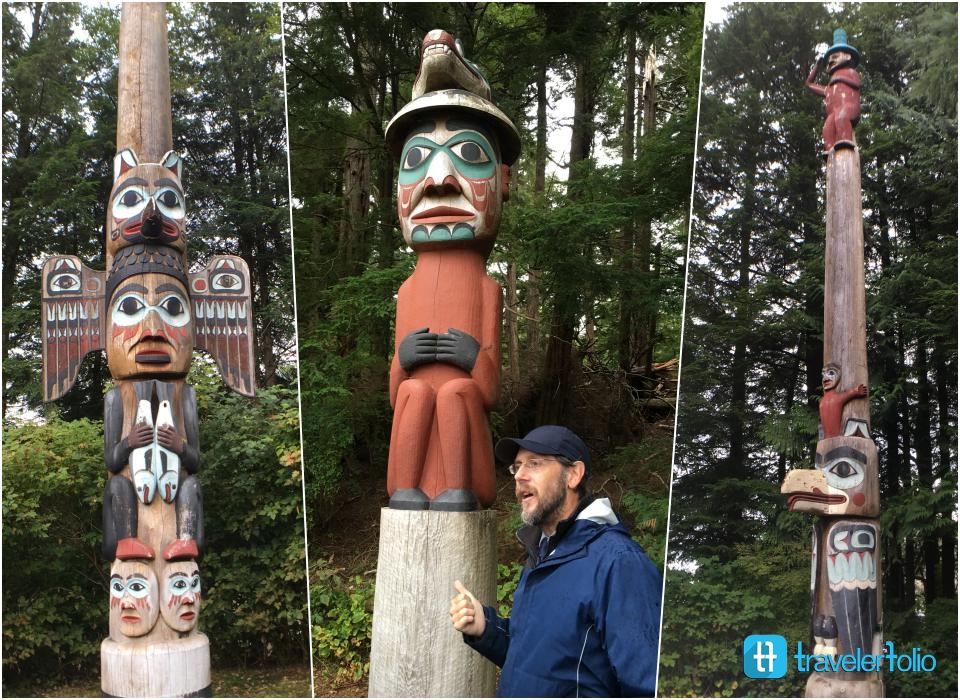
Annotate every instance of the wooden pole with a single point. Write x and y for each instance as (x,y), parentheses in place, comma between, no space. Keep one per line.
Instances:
(415,652)
(144,117)
(149,312)
(843,489)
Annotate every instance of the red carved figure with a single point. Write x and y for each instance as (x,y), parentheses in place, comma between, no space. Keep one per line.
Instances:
(841,94)
(455,148)
(833,401)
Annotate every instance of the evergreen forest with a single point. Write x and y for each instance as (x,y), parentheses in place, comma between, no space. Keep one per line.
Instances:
(739,563)
(591,256)
(59,133)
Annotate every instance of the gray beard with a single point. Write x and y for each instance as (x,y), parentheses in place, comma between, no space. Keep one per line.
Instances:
(550,505)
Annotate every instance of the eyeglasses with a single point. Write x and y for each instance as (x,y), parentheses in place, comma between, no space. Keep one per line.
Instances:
(534,465)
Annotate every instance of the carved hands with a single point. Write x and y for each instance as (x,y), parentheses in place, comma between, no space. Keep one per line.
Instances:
(169,438)
(455,347)
(141,434)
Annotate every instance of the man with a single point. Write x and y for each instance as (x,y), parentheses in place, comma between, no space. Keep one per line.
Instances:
(586,612)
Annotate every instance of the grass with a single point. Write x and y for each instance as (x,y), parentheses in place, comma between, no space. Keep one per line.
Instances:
(269,682)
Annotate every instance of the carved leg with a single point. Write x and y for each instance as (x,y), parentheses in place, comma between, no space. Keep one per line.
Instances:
(461,421)
(409,439)
(120,522)
(189,542)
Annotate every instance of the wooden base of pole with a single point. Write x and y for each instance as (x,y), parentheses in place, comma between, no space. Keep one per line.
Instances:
(824,686)
(174,669)
(415,652)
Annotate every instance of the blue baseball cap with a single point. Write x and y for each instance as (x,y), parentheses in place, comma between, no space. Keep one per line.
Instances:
(545,440)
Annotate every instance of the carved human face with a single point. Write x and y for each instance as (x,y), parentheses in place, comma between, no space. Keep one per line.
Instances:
(831,377)
(133,598)
(181,595)
(147,203)
(838,59)
(149,327)
(451,184)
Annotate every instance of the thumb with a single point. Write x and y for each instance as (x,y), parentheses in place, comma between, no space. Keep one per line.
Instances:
(458,584)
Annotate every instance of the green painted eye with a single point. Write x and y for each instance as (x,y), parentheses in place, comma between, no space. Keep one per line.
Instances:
(471,152)
(415,156)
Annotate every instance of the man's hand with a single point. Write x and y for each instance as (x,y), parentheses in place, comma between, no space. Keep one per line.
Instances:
(466,613)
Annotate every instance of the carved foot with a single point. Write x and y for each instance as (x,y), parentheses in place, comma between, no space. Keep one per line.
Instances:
(409,499)
(132,548)
(455,500)
(181,549)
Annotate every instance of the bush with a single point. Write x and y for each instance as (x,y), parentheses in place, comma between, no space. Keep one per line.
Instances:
(342,612)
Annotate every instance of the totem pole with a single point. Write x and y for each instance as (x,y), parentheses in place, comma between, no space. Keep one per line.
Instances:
(148,312)
(844,487)
(455,149)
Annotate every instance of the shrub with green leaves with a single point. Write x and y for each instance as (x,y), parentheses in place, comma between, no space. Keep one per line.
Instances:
(342,612)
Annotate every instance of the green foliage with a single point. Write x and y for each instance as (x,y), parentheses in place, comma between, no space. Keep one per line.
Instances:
(54,588)
(342,622)
(508,577)
(254,573)
(933,631)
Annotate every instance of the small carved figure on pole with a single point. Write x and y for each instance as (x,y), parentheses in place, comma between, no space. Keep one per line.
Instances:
(455,148)
(841,93)
(833,401)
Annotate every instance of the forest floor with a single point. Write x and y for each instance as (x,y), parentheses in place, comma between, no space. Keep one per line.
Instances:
(350,539)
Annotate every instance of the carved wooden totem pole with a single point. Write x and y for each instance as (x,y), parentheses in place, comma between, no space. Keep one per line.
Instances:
(148,312)
(844,487)
(455,149)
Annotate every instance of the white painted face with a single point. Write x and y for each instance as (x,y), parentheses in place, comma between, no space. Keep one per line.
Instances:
(451,184)
(133,597)
(181,595)
(831,377)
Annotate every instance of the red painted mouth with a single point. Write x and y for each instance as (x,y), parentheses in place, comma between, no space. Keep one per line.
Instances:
(442,214)
(816,497)
(132,619)
(188,616)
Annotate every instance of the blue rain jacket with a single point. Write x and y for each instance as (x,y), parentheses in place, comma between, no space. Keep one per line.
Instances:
(585,620)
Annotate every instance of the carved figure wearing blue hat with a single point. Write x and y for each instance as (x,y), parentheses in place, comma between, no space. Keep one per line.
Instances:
(841,93)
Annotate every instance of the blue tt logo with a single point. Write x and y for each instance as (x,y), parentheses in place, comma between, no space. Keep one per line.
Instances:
(765,656)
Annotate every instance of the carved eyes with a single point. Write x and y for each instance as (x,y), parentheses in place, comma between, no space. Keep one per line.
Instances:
(135,587)
(65,282)
(131,308)
(132,200)
(181,584)
(467,151)
(470,152)
(415,156)
(226,282)
(843,474)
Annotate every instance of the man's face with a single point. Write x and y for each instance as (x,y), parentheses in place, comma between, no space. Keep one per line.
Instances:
(181,595)
(149,327)
(541,491)
(133,598)
(451,185)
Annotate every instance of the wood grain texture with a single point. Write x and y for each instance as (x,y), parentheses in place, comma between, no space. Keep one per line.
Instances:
(844,294)
(155,669)
(415,651)
(144,118)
